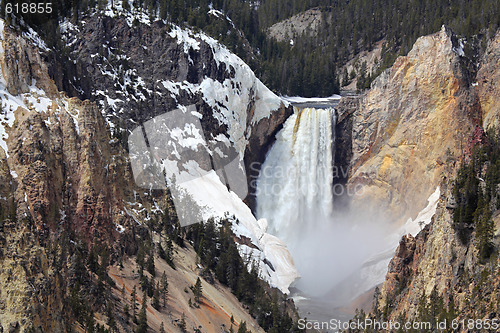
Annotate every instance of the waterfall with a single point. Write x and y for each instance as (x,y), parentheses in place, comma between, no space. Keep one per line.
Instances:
(294,188)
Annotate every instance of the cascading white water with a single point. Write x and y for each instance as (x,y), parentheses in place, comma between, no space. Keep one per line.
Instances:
(295,193)
(294,188)
(295,182)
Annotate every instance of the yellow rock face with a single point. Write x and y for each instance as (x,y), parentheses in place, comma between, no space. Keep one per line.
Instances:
(413,124)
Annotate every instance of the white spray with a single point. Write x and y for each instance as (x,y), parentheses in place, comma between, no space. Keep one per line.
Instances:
(295,195)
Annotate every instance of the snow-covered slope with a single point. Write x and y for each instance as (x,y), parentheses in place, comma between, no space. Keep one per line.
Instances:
(165,68)
(199,71)
(275,261)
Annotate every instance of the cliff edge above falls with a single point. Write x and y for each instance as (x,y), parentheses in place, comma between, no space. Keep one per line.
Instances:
(416,116)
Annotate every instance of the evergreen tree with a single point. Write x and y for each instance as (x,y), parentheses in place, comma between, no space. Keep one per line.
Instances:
(243,327)
(182,323)
(485,231)
(126,312)
(150,265)
(164,288)
(125,5)
(170,253)
(375,304)
(133,295)
(139,259)
(156,297)
(142,320)
(197,290)
(163,9)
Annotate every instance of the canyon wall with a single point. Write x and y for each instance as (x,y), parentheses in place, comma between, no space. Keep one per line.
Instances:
(417,123)
(66,181)
(415,119)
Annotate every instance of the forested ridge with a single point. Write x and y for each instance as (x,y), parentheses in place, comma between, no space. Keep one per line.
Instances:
(309,67)
(352,26)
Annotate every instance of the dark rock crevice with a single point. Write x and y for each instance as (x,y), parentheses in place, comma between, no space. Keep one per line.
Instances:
(261,140)
(343,149)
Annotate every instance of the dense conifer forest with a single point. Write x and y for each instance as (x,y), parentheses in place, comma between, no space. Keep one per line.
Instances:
(311,66)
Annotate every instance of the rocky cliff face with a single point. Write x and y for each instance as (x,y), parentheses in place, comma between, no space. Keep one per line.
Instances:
(436,268)
(137,71)
(128,69)
(66,174)
(343,142)
(303,24)
(486,84)
(416,123)
(423,262)
(66,182)
(416,116)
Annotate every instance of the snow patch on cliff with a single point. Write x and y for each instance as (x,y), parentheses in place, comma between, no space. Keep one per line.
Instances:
(424,217)
(229,99)
(34,38)
(459,50)
(115,8)
(245,83)
(375,269)
(35,99)
(217,201)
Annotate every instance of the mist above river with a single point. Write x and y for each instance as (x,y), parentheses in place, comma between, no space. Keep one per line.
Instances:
(296,193)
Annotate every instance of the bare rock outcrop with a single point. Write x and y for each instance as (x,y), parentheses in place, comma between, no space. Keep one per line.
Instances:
(436,263)
(307,23)
(65,178)
(416,117)
(487,87)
